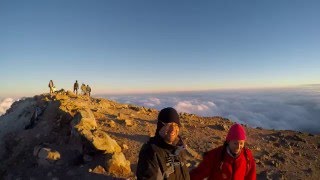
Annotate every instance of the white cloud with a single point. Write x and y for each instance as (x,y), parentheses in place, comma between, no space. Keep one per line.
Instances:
(195,107)
(155,100)
(211,104)
(5,104)
(295,109)
(148,104)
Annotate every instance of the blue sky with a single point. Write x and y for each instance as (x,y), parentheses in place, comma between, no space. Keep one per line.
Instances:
(149,46)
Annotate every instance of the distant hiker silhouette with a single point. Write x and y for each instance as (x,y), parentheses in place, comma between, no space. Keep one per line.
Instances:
(75,87)
(230,161)
(88,90)
(51,87)
(84,89)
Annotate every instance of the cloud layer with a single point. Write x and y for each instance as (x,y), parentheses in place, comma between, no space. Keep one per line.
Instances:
(295,109)
(5,104)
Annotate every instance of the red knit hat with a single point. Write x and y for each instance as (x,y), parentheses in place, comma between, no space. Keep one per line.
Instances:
(236,132)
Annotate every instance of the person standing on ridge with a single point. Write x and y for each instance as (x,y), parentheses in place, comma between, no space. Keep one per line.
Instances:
(75,87)
(51,87)
(230,161)
(83,89)
(88,90)
(163,156)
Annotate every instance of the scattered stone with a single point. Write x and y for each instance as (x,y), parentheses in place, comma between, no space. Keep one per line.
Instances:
(124,146)
(132,115)
(297,153)
(135,108)
(120,116)
(128,122)
(220,127)
(296,138)
(112,124)
(118,165)
(285,143)
(275,163)
(99,170)
(94,109)
(309,170)
(279,157)
(273,138)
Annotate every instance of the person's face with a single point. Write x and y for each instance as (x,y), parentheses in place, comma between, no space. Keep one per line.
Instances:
(236,146)
(169,132)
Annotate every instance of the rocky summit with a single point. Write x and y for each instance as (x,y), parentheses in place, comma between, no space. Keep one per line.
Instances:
(66,136)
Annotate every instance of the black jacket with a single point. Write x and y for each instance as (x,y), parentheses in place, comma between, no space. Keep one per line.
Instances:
(159,160)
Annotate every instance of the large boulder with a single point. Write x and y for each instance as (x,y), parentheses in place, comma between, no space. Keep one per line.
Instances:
(71,94)
(61,97)
(118,165)
(46,156)
(84,120)
(103,142)
(85,125)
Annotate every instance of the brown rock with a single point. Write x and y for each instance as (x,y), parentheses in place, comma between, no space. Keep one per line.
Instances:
(124,146)
(220,127)
(118,165)
(102,141)
(112,124)
(99,170)
(46,156)
(129,122)
(61,97)
(71,94)
(84,120)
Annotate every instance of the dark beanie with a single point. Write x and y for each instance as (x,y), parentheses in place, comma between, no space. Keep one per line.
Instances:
(167,115)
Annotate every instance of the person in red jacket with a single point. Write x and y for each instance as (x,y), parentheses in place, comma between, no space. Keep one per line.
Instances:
(231,161)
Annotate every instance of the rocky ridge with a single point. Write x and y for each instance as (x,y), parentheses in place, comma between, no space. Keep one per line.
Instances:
(78,137)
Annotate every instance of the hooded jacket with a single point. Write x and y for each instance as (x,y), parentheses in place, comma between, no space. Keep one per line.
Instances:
(159,160)
(216,167)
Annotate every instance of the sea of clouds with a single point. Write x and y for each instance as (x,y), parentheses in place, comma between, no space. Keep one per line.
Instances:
(5,103)
(291,108)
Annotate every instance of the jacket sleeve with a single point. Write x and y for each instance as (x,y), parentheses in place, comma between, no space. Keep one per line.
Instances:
(148,167)
(204,168)
(252,172)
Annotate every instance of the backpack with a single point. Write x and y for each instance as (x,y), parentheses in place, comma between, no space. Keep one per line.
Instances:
(171,161)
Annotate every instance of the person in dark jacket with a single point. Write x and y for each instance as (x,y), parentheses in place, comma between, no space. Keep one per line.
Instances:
(231,161)
(75,87)
(88,89)
(51,87)
(163,156)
